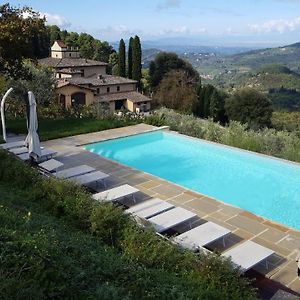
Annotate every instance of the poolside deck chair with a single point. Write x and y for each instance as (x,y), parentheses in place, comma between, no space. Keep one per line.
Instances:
(51,165)
(201,236)
(116,193)
(46,154)
(171,218)
(248,254)
(75,171)
(150,208)
(12,145)
(90,178)
(19,150)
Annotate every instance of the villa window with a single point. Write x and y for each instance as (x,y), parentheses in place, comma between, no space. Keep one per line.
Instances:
(70,54)
(82,72)
(78,98)
(98,91)
(118,88)
(108,89)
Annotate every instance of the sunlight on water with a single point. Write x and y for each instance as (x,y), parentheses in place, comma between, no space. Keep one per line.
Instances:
(264,186)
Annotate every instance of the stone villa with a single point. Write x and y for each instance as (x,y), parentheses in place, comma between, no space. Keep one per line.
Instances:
(84,82)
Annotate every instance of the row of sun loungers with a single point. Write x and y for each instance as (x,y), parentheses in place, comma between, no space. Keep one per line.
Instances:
(116,193)
(18,148)
(150,208)
(162,215)
(12,145)
(202,235)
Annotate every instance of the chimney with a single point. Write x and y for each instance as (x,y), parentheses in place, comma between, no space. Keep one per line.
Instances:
(100,76)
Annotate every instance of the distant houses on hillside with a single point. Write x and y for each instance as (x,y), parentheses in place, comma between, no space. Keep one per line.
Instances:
(84,82)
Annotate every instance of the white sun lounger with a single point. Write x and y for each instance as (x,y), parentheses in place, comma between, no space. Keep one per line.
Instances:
(201,236)
(89,178)
(19,150)
(116,193)
(248,254)
(12,145)
(171,218)
(150,208)
(46,154)
(51,165)
(75,171)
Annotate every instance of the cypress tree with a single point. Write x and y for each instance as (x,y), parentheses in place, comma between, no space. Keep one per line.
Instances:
(137,60)
(130,46)
(122,59)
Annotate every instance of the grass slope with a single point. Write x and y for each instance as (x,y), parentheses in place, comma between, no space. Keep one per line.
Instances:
(55,242)
(52,128)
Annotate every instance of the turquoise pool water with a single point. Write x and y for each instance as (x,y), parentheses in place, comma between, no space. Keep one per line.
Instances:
(265,186)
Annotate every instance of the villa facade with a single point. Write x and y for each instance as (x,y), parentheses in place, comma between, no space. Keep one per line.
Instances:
(84,82)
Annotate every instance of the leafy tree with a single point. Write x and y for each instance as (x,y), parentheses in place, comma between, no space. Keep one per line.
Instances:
(137,60)
(197,107)
(102,51)
(20,38)
(202,106)
(207,92)
(130,46)
(41,84)
(175,91)
(145,87)
(113,64)
(165,62)
(210,103)
(72,39)
(122,59)
(63,34)
(251,107)
(86,45)
(54,33)
(217,106)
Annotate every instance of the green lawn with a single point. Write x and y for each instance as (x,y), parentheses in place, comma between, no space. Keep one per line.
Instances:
(57,243)
(52,129)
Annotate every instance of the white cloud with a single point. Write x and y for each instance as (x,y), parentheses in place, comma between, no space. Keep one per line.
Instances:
(51,19)
(55,20)
(183,30)
(167,4)
(280,26)
(116,32)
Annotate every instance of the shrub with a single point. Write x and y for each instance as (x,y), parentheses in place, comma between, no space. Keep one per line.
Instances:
(281,144)
(108,223)
(250,107)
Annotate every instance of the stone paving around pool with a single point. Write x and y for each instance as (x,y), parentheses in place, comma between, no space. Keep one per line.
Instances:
(244,225)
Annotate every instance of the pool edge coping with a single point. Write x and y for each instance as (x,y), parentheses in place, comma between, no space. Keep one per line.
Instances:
(167,128)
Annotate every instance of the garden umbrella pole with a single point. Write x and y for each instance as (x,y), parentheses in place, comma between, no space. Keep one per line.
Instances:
(3,111)
(32,140)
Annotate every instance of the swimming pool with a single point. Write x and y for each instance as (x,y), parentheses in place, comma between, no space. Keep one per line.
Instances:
(265,186)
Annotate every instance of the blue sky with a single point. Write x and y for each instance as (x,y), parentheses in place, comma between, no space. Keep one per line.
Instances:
(214,22)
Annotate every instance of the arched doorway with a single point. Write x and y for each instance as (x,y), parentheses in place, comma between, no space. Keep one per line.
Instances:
(78,99)
(62,100)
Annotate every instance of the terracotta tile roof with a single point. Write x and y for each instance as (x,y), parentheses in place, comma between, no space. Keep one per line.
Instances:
(132,96)
(70,62)
(62,83)
(100,80)
(61,43)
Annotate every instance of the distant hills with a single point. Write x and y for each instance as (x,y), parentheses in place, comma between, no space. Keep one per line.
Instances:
(288,56)
(262,69)
(275,71)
